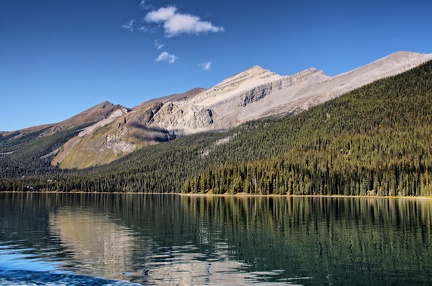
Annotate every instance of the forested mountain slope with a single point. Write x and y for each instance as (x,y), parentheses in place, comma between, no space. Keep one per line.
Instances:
(30,151)
(374,140)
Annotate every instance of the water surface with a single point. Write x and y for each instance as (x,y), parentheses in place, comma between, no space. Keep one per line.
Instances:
(113,239)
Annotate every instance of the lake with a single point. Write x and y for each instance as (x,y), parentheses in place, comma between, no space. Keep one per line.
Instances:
(136,239)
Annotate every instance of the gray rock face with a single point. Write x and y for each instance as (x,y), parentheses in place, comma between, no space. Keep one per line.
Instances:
(148,115)
(173,116)
(261,91)
(256,93)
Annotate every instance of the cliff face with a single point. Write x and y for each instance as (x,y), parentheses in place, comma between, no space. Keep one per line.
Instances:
(115,131)
(259,92)
(235,84)
(222,106)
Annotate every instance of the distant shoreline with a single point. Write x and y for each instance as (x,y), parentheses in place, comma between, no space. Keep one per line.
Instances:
(238,195)
(306,196)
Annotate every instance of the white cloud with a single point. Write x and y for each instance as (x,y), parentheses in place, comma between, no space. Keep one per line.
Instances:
(158,44)
(161,15)
(205,66)
(175,23)
(129,25)
(166,57)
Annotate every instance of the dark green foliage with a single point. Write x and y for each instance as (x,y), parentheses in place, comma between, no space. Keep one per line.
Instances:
(372,141)
(30,154)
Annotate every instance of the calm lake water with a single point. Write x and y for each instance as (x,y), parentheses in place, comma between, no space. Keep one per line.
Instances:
(112,239)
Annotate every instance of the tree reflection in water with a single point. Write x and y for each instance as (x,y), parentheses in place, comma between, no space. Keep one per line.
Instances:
(172,239)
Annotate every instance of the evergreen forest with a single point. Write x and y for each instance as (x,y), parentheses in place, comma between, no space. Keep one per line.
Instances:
(375,140)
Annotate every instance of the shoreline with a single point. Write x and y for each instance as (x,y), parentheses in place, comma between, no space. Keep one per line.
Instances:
(306,196)
(238,195)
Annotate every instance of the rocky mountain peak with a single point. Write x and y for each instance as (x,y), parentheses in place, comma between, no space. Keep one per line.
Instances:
(255,72)
(102,105)
(252,70)
(305,74)
(91,115)
(401,55)
(238,83)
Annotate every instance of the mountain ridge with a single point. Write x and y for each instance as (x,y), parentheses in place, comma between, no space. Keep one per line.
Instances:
(112,131)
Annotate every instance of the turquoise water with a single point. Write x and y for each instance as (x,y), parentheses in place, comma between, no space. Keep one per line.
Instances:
(113,239)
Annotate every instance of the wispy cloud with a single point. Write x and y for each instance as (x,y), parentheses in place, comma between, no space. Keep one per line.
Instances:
(158,44)
(176,23)
(129,25)
(205,66)
(143,28)
(166,57)
(144,4)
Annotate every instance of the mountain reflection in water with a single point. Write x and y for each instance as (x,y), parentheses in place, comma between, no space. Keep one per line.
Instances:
(96,244)
(183,240)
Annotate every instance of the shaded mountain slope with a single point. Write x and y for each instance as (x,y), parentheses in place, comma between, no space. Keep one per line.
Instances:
(117,135)
(29,151)
(93,114)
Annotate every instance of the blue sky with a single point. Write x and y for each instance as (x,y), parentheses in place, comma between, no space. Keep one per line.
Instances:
(60,57)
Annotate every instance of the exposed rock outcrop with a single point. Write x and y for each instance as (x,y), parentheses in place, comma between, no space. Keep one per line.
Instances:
(261,91)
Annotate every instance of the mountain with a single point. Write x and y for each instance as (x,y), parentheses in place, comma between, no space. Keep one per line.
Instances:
(91,115)
(257,93)
(30,151)
(174,97)
(97,113)
(112,131)
(374,140)
(123,132)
